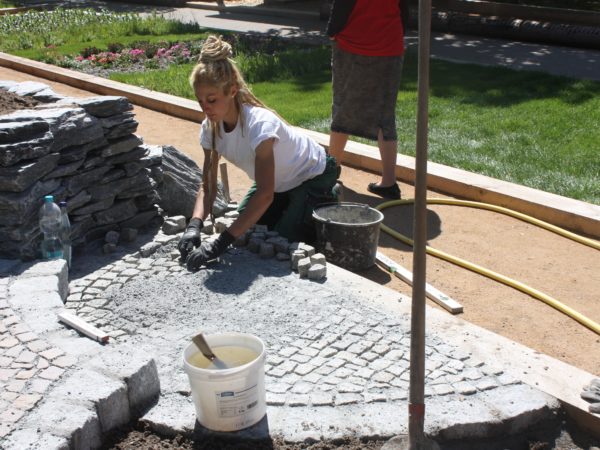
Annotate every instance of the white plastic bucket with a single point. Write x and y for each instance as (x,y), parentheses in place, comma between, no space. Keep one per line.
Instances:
(228,399)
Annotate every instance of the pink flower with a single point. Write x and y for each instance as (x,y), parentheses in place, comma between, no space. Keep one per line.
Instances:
(136,52)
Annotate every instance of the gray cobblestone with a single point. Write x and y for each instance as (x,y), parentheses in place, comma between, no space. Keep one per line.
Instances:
(287,351)
(380,364)
(287,366)
(395,370)
(349,388)
(506,379)
(365,372)
(486,384)
(347,399)
(275,399)
(332,379)
(300,358)
(303,369)
(374,397)
(278,388)
(443,389)
(309,352)
(465,388)
(335,362)
(297,400)
(328,352)
(383,377)
(471,374)
(312,377)
(325,370)
(319,398)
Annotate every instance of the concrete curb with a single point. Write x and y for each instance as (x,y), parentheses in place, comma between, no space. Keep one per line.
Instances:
(256,10)
(105,390)
(575,215)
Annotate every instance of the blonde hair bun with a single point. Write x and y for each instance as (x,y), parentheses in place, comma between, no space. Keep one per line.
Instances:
(215,49)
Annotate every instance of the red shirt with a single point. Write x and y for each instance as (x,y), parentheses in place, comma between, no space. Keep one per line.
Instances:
(374,28)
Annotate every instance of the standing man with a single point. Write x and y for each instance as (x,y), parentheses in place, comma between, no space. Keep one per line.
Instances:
(366,66)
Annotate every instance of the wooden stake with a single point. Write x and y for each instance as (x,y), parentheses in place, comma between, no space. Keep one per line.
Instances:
(83,327)
(405,275)
(225,180)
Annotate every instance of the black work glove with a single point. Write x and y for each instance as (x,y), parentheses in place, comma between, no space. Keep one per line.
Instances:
(190,239)
(208,251)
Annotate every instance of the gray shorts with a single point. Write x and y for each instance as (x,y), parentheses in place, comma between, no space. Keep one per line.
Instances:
(365,90)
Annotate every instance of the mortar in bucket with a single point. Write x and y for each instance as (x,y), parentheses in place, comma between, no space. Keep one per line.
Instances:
(348,234)
(233,398)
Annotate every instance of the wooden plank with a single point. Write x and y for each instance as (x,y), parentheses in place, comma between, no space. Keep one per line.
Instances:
(405,275)
(225,180)
(83,327)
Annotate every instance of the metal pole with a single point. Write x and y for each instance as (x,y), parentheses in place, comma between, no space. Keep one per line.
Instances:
(416,407)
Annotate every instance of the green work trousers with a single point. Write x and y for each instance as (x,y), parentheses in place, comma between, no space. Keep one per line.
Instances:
(290,213)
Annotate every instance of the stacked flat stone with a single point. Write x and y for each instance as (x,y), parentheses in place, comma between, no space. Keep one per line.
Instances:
(83,151)
(591,394)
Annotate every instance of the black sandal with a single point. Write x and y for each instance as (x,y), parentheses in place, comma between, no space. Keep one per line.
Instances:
(392,192)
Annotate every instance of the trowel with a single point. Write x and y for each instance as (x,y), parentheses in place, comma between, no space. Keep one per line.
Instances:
(205,349)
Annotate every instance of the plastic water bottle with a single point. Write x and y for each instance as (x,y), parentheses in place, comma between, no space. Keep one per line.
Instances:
(50,226)
(65,232)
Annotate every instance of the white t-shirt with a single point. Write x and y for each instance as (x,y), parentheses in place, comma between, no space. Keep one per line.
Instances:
(297,157)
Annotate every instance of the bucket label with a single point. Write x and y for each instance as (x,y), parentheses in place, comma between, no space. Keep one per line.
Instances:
(237,403)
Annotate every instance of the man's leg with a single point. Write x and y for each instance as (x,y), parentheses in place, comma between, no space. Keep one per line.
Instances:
(388,151)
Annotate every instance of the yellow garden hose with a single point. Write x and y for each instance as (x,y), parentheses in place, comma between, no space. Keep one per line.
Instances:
(490,273)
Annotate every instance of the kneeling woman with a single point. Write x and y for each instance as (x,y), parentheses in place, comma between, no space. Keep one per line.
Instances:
(291,171)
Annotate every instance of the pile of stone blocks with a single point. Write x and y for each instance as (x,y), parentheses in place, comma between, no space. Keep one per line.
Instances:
(84,151)
(258,239)
(81,150)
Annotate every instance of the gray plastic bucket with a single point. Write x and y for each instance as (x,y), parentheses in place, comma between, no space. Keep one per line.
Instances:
(348,234)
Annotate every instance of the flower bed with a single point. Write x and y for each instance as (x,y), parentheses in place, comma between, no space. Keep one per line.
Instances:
(118,58)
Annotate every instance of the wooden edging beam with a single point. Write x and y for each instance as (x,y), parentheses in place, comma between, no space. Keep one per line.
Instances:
(405,275)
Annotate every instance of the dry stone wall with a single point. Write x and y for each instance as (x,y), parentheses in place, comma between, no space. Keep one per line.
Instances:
(82,150)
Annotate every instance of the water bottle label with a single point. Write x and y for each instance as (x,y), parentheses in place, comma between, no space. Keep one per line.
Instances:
(54,254)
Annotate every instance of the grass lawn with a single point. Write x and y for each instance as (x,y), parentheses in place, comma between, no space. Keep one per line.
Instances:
(529,128)
(7,4)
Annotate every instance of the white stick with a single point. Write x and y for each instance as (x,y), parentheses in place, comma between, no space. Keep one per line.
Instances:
(405,275)
(82,326)
(225,180)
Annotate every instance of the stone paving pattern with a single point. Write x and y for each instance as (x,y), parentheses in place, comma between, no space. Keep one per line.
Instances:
(346,356)
(29,364)
(327,350)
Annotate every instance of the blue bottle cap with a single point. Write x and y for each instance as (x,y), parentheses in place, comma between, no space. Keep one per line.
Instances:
(49,198)
(63,203)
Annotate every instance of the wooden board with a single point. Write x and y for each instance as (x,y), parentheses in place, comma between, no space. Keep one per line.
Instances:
(83,327)
(405,275)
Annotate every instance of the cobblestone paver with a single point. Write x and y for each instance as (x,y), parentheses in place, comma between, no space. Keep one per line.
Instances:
(326,348)
(29,364)
(342,355)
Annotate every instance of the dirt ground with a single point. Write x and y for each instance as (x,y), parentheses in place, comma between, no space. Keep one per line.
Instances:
(563,269)
(11,102)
